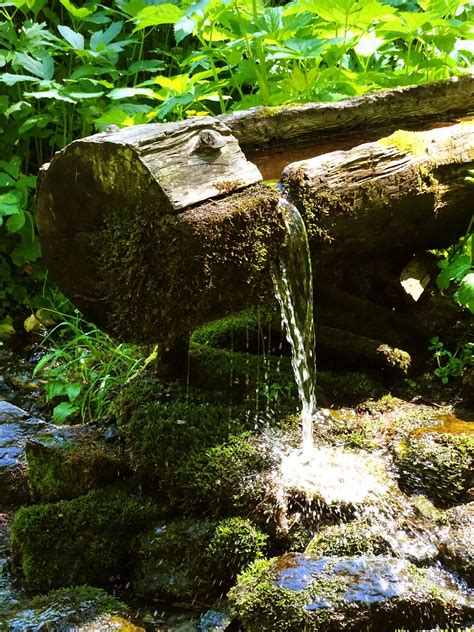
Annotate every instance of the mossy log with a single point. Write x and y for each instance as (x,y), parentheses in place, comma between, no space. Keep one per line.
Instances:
(131,232)
(384,110)
(157,229)
(402,194)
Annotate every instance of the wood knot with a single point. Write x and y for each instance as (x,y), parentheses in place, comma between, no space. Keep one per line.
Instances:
(210,139)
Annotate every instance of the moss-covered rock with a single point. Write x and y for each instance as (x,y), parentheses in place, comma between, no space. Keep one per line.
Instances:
(189,560)
(228,478)
(456,542)
(348,538)
(439,466)
(303,592)
(66,465)
(62,610)
(86,540)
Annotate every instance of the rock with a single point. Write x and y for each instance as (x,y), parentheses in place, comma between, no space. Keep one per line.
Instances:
(436,464)
(15,428)
(217,620)
(86,540)
(456,550)
(80,609)
(189,559)
(66,462)
(319,594)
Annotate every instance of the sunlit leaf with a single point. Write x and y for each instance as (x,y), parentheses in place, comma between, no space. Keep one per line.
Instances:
(453,270)
(11,79)
(154,16)
(76,40)
(79,12)
(125,93)
(465,292)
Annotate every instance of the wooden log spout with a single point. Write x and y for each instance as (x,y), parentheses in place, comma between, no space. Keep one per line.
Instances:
(156,229)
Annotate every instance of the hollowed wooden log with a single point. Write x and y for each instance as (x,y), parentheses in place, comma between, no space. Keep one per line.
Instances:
(156,229)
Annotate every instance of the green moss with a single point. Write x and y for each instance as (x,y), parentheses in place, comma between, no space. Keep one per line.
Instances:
(169,561)
(351,538)
(187,560)
(243,375)
(225,479)
(438,466)
(235,544)
(160,438)
(407,142)
(64,470)
(81,541)
(327,594)
(227,252)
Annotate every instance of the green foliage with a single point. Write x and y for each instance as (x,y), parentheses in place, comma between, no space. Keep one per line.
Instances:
(457,265)
(69,70)
(86,540)
(451,364)
(83,365)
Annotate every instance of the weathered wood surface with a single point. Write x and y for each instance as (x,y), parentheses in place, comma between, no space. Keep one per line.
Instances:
(403,193)
(261,127)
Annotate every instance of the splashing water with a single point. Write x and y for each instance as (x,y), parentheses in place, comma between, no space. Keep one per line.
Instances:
(293,282)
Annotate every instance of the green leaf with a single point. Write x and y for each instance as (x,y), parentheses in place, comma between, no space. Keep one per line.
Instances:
(64,410)
(125,93)
(100,39)
(12,166)
(80,13)
(146,65)
(9,204)
(15,222)
(6,328)
(73,390)
(464,295)
(42,66)
(11,79)
(54,389)
(155,15)
(76,40)
(455,270)
(49,94)
(6,180)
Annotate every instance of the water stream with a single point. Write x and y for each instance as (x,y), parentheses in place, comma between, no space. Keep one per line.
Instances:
(293,282)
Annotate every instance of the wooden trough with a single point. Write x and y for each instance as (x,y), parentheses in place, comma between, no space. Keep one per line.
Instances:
(155,229)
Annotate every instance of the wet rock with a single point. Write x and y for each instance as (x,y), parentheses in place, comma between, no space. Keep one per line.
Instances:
(440,466)
(66,462)
(456,547)
(86,540)
(15,428)
(69,609)
(217,620)
(189,559)
(345,593)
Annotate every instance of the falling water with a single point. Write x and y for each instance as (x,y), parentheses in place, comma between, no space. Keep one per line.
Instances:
(293,282)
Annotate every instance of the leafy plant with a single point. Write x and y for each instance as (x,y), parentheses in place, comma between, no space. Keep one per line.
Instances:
(451,364)
(457,266)
(83,366)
